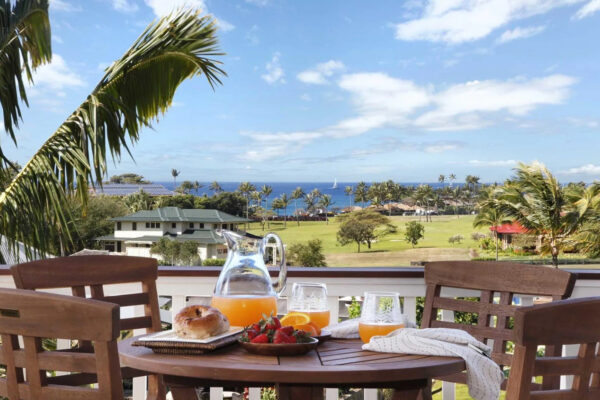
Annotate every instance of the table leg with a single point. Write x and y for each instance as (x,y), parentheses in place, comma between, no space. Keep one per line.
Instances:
(414,394)
(299,392)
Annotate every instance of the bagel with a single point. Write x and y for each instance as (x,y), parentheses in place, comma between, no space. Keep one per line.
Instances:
(200,322)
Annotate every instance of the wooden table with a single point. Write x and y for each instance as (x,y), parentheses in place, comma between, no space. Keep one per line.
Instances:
(335,363)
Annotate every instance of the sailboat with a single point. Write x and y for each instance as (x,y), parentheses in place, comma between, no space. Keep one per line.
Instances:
(335,186)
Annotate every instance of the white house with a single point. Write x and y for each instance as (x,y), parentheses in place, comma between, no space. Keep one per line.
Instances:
(135,233)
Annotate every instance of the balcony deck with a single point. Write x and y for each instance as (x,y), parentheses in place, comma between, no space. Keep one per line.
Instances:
(183,283)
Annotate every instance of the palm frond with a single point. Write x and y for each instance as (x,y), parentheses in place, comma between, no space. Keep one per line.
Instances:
(134,91)
(24,45)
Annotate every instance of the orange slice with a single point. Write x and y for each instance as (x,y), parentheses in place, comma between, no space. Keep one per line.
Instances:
(294,319)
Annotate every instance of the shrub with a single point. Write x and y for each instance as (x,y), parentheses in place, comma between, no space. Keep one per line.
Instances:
(487,243)
(309,254)
(477,236)
(414,232)
(455,239)
(354,308)
(214,262)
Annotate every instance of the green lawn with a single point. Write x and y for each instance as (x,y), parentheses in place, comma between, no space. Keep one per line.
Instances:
(390,250)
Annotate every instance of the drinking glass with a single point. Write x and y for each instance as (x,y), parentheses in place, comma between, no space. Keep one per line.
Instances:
(381,314)
(311,299)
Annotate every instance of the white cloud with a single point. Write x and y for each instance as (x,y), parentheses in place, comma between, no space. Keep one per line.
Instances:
(380,101)
(305,97)
(125,6)
(56,76)
(587,169)
(588,9)
(252,35)
(495,163)
(582,122)
(164,7)
(457,21)
(274,72)
(520,33)
(319,74)
(260,3)
(57,38)
(62,5)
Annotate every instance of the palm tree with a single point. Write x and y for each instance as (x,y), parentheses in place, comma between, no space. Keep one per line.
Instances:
(326,202)
(298,193)
(535,199)
(452,178)
(175,174)
(266,191)
(490,214)
(348,190)
(196,186)
(245,189)
(25,44)
(138,201)
(310,200)
(360,193)
(442,179)
(132,93)
(284,202)
(215,187)
(423,195)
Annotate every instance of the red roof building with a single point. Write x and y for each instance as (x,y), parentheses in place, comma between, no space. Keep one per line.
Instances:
(506,231)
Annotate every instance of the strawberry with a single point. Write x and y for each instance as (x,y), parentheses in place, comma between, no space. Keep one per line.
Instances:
(280,337)
(291,339)
(273,324)
(288,330)
(251,333)
(262,338)
(256,327)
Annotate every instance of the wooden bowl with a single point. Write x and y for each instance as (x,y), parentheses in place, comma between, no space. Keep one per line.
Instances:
(272,349)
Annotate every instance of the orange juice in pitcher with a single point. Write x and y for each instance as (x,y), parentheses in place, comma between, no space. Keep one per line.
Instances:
(244,291)
(245,310)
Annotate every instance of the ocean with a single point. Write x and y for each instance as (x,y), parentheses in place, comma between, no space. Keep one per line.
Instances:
(338,196)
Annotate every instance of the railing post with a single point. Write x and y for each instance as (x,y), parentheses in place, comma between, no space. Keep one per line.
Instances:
(254,393)
(333,304)
(570,350)
(448,388)
(410,308)
(140,384)
(216,393)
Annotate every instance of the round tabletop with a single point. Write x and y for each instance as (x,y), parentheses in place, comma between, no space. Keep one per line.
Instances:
(336,362)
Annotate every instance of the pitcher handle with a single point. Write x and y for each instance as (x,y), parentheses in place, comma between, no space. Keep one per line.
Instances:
(281,279)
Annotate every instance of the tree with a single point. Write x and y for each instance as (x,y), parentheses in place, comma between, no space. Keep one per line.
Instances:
(185,187)
(230,202)
(310,201)
(188,253)
(326,202)
(442,179)
(215,187)
(245,189)
(284,202)
(167,249)
(25,45)
(414,232)
(139,201)
(309,254)
(456,239)
(197,186)
(128,178)
(266,191)
(298,193)
(452,179)
(363,226)
(184,201)
(490,214)
(348,190)
(360,193)
(175,173)
(132,93)
(535,199)
(263,215)
(423,196)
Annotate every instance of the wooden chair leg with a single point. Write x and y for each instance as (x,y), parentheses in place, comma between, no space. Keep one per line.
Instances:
(183,392)
(156,388)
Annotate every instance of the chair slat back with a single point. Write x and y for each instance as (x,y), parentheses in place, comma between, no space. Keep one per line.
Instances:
(496,284)
(575,321)
(95,272)
(36,316)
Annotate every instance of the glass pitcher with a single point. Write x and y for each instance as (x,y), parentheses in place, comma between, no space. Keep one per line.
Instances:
(244,291)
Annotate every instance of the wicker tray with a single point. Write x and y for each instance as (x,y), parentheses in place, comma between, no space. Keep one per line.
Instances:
(167,342)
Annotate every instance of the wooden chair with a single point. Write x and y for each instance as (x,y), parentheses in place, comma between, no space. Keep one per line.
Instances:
(575,321)
(43,315)
(96,272)
(496,283)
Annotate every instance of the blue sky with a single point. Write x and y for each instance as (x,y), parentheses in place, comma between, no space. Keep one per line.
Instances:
(316,90)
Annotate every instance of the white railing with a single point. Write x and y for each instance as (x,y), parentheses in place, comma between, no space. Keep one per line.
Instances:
(189,284)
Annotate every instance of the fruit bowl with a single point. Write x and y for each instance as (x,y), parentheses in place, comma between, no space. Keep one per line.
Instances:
(280,349)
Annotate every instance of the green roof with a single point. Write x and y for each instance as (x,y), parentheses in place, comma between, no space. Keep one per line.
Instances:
(205,236)
(176,214)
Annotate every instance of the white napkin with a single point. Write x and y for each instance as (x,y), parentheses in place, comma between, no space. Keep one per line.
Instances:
(349,329)
(484,376)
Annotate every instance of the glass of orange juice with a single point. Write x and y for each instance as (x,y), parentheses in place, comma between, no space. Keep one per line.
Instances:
(243,310)
(311,299)
(380,315)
